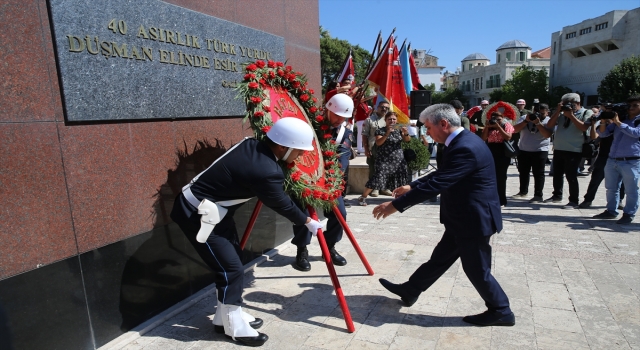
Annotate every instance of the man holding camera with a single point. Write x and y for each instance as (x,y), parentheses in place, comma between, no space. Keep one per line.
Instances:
(623,165)
(570,118)
(534,150)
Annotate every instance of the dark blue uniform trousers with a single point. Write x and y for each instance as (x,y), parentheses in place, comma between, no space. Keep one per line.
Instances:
(333,234)
(221,252)
(475,256)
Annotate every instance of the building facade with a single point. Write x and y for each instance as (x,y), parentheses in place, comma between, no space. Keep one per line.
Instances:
(582,54)
(478,77)
(428,69)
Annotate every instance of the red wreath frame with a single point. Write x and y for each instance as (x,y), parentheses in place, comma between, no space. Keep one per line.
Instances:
(510,111)
(260,76)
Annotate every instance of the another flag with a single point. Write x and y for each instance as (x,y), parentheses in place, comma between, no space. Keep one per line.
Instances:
(386,74)
(415,79)
(347,69)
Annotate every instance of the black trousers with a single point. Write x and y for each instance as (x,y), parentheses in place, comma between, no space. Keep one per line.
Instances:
(475,256)
(597,175)
(532,162)
(221,252)
(566,163)
(333,234)
(501,163)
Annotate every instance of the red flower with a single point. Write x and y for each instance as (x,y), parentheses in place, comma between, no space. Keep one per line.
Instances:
(328,136)
(280,72)
(279,64)
(306,193)
(272,74)
(317,194)
(333,142)
(256,100)
(324,127)
(288,68)
(296,176)
(304,97)
(319,119)
(263,82)
(311,91)
(325,196)
(265,129)
(331,171)
(249,76)
(258,114)
(291,165)
(266,108)
(328,153)
(314,100)
(291,77)
(251,67)
(313,109)
(253,85)
(260,64)
(295,84)
(271,64)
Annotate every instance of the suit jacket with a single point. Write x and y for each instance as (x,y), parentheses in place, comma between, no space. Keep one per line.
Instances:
(466,181)
(249,170)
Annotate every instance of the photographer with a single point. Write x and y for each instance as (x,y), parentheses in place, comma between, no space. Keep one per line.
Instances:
(495,133)
(534,150)
(623,165)
(569,117)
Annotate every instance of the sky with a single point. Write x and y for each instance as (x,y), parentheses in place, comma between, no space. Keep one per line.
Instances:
(453,29)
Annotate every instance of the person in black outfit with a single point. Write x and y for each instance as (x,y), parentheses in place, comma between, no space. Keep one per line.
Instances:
(205,208)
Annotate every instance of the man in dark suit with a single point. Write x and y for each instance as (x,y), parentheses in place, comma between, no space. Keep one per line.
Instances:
(204,211)
(469,210)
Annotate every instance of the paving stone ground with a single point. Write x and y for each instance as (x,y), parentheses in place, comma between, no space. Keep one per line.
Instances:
(573,283)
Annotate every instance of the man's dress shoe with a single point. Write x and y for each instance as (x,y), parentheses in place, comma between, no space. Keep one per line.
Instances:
(491,318)
(255,324)
(400,290)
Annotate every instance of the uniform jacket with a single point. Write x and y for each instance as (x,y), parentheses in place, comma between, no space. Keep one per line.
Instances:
(249,170)
(466,181)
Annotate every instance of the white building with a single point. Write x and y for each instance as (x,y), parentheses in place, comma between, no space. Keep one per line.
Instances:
(428,69)
(582,54)
(479,77)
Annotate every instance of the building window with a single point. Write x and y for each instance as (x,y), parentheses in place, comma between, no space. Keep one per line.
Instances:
(521,58)
(508,56)
(611,47)
(585,31)
(554,47)
(580,54)
(595,50)
(470,66)
(553,70)
(463,67)
(497,80)
(498,58)
(570,35)
(602,26)
(480,83)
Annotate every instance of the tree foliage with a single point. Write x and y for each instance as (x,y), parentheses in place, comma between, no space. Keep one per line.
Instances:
(622,81)
(555,95)
(448,95)
(526,83)
(333,51)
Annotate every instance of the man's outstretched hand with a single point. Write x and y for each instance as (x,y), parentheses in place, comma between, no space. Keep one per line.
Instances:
(383,210)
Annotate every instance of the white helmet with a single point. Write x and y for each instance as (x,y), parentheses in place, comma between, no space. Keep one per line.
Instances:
(293,133)
(341,105)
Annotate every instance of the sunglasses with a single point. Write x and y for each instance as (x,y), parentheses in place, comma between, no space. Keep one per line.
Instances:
(383,108)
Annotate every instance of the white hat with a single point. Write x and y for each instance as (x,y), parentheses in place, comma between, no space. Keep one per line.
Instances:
(341,105)
(293,133)
(521,101)
(484,102)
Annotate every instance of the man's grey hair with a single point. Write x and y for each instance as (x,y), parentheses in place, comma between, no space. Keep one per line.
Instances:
(571,97)
(435,113)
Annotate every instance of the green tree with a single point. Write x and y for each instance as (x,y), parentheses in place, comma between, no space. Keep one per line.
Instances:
(333,51)
(622,81)
(431,87)
(555,95)
(526,83)
(448,95)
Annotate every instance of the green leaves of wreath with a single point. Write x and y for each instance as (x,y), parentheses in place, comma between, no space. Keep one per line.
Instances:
(260,75)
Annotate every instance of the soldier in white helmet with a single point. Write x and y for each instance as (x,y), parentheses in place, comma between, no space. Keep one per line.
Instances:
(204,211)
(337,110)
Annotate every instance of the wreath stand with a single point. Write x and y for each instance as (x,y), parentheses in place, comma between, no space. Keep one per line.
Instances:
(325,253)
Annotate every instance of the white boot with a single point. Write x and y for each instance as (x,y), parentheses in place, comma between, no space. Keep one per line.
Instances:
(234,325)
(217,318)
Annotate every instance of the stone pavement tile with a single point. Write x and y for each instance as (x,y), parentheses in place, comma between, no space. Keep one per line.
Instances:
(215,344)
(421,326)
(550,295)
(542,269)
(515,288)
(286,335)
(510,338)
(407,342)
(455,324)
(508,264)
(452,340)
(378,330)
(357,344)
(429,305)
(386,266)
(559,340)
(441,288)
(305,314)
(630,274)
(170,344)
(333,333)
(561,320)
(570,265)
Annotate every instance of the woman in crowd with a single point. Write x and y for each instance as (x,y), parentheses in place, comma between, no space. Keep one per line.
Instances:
(390,168)
(495,133)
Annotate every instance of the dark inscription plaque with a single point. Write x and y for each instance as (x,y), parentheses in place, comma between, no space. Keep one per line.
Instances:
(146,59)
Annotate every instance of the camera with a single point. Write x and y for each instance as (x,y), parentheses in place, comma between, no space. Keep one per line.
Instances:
(536,110)
(567,106)
(493,121)
(611,109)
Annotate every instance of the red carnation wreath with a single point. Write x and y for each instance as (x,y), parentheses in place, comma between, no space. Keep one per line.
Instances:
(508,110)
(271,91)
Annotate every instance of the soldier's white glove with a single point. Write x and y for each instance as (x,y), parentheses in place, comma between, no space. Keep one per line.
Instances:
(313,226)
